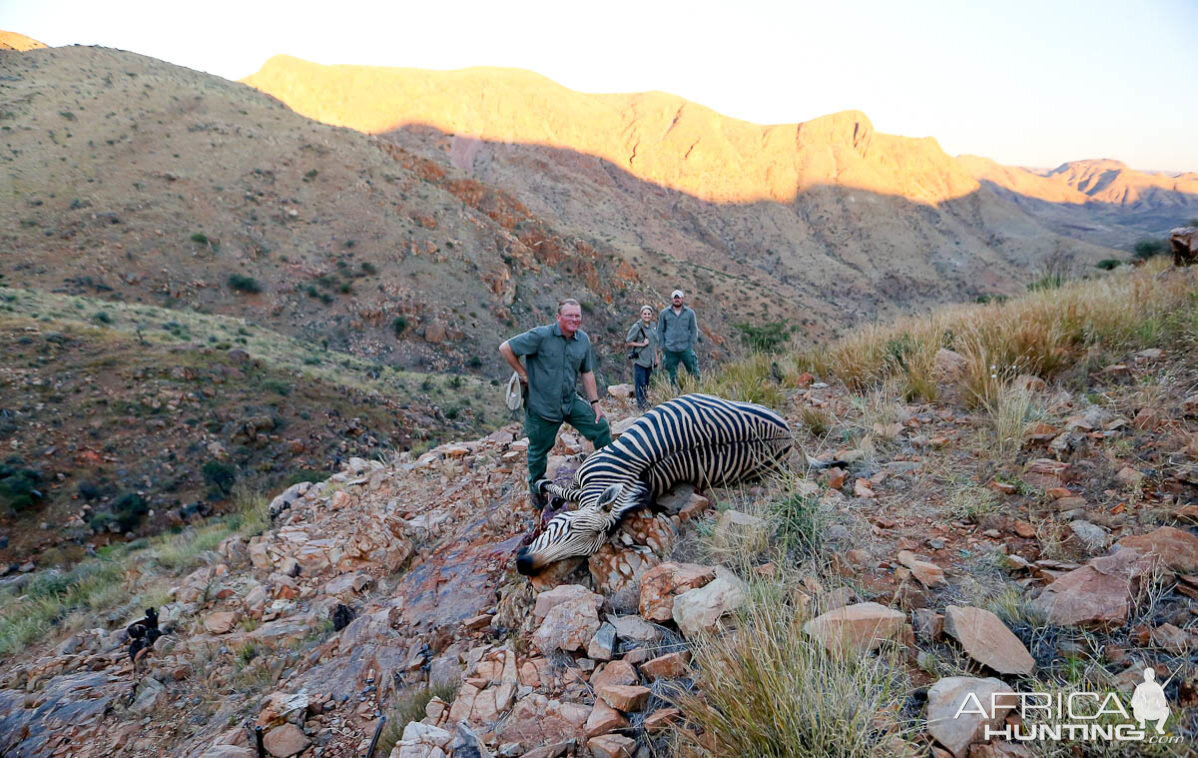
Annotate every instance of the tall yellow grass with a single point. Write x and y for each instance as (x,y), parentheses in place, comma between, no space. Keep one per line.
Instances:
(1042,333)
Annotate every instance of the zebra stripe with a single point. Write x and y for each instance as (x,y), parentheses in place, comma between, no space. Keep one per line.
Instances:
(701,439)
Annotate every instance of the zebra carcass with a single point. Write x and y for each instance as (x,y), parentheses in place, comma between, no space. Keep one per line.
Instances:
(704,440)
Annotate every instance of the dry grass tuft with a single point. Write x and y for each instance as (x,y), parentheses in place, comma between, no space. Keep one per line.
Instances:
(768,690)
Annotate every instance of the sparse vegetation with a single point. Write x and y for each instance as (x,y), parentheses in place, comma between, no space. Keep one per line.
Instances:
(771,690)
(242,283)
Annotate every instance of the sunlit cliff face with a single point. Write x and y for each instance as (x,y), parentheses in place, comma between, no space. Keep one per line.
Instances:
(657,137)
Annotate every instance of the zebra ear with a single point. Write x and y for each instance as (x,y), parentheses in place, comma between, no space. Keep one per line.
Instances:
(610,496)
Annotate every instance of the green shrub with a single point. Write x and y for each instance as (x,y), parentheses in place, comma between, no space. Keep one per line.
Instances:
(767,338)
(399,324)
(369,268)
(200,238)
(1148,247)
(19,487)
(984,299)
(220,476)
(129,509)
(305,475)
(243,283)
(277,386)
(1109,264)
(103,317)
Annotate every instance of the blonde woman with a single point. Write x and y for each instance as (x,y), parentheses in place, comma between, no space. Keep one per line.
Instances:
(642,351)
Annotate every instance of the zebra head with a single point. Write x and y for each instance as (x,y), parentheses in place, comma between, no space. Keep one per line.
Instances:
(580,532)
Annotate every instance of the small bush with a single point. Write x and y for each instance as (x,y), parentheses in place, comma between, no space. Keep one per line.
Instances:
(310,175)
(128,510)
(220,475)
(767,338)
(200,238)
(243,283)
(19,487)
(277,386)
(799,524)
(369,268)
(816,420)
(399,325)
(1109,264)
(102,317)
(304,475)
(1149,247)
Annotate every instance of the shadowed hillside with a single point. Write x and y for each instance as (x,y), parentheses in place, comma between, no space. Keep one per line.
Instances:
(136,180)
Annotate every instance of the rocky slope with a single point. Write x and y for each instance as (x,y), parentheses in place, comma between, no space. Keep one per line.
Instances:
(165,413)
(136,180)
(469,658)
(825,222)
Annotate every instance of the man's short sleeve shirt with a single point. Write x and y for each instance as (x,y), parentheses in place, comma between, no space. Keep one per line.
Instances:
(553,362)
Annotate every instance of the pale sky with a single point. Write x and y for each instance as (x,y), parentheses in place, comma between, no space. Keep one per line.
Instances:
(1025,82)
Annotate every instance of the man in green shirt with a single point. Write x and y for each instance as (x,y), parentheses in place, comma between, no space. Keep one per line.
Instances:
(678,331)
(554,357)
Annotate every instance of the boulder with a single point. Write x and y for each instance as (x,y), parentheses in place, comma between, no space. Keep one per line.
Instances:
(700,610)
(285,741)
(987,640)
(616,672)
(567,626)
(1098,593)
(422,740)
(668,666)
(635,629)
(856,628)
(662,719)
(603,645)
(946,698)
(1093,536)
(611,746)
(660,585)
(549,599)
(1176,548)
(220,622)
(616,568)
(624,697)
(604,719)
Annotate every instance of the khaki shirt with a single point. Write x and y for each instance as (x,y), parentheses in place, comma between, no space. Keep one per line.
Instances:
(677,331)
(648,352)
(553,364)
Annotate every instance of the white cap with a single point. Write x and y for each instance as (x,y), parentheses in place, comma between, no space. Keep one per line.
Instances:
(676,293)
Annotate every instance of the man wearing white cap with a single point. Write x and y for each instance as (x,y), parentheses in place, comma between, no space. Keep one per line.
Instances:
(678,331)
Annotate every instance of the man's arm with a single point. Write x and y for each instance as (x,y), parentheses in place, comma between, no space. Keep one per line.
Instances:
(591,392)
(506,351)
(694,328)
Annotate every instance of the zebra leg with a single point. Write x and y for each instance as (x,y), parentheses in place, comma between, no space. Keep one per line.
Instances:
(548,488)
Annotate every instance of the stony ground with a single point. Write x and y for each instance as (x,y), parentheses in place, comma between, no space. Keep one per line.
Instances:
(978,567)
